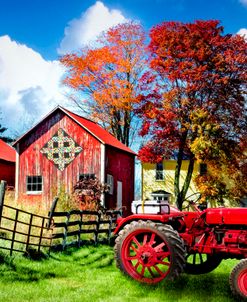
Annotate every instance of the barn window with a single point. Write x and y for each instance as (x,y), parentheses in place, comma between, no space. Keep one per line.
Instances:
(34,183)
(159,172)
(203,169)
(110,182)
(86,176)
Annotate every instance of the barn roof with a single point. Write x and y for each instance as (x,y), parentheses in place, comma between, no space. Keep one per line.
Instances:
(6,152)
(97,131)
(100,133)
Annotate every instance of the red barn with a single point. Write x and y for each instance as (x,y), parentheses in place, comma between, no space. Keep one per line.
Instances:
(7,163)
(62,148)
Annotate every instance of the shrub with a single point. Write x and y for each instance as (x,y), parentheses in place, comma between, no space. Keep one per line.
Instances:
(87,194)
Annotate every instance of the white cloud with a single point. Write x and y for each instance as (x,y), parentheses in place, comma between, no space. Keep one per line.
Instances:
(92,22)
(29,85)
(243,32)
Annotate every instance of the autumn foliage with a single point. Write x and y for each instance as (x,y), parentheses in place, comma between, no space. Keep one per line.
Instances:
(194,105)
(106,78)
(190,94)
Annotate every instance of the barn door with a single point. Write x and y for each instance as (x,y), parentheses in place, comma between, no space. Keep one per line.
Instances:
(119,194)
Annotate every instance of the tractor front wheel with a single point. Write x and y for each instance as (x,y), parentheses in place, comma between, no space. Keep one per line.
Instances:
(238,279)
(149,252)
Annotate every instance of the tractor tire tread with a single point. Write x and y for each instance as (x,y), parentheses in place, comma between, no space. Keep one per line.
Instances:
(233,280)
(175,244)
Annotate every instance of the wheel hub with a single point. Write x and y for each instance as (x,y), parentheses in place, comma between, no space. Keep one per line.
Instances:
(147,256)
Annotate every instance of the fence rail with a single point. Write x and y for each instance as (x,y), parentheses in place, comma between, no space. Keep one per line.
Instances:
(76,224)
(21,230)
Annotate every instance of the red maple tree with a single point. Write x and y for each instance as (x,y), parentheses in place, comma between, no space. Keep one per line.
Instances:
(195,106)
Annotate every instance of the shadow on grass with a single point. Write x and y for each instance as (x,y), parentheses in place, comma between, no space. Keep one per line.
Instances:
(34,254)
(24,274)
(209,287)
(88,257)
(75,265)
(11,270)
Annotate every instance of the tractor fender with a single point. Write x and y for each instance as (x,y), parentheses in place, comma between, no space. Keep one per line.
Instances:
(164,218)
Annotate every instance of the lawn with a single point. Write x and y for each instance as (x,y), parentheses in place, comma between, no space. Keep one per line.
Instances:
(89,274)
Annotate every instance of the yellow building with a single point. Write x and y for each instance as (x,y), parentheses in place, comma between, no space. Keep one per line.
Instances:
(160,177)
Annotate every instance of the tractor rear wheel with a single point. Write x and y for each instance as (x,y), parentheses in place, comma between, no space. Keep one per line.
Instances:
(238,279)
(201,263)
(149,252)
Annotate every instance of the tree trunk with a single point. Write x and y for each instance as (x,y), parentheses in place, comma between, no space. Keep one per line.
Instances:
(126,130)
(181,193)
(176,179)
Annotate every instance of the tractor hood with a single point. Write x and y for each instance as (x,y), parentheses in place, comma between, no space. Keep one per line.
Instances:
(219,216)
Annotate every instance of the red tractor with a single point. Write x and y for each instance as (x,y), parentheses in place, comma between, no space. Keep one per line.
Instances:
(152,247)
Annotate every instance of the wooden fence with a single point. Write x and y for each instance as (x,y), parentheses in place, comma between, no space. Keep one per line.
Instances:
(77,227)
(22,231)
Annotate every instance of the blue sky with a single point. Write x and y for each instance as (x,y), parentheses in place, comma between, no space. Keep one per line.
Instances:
(40,24)
(34,33)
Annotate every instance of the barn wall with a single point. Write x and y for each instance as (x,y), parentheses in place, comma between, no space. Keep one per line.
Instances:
(121,165)
(33,162)
(7,172)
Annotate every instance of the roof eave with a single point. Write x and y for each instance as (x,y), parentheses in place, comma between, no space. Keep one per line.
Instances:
(26,133)
(74,119)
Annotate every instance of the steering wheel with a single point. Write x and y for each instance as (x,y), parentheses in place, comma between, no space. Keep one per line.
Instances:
(192,202)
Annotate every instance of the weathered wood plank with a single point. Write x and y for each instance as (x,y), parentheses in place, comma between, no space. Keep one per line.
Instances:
(52,210)
(3,186)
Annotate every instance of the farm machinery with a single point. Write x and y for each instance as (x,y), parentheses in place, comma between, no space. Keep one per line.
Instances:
(152,247)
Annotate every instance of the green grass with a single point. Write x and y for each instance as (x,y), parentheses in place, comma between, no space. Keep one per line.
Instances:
(90,274)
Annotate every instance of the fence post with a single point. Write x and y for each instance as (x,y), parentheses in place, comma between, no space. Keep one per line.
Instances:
(52,210)
(3,185)
(41,234)
(96,234)
(29,232)
(110,229)
(65,231)
(80,229)
(14,232)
